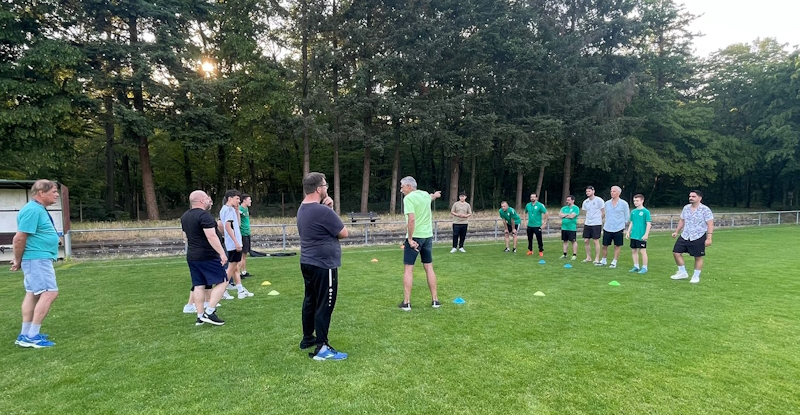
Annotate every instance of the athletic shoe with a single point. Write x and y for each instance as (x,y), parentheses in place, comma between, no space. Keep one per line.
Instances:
(19,338)
(328,354)
(529,253)
(306,344)
(453,251)
(643,271)
(574,257)
(212,319)
(506,250)
(603,262)
(612,266)
(189,309)
(244,294)
(199,322)
(226,296)
(36,342)
(541,254)
(695,279)
(634,269)
(514,250)
(405,306)
(462,250)
(436,304)
(680,275)
(597,263)
(245,274)
(587,260)
(231,286)
(563,257)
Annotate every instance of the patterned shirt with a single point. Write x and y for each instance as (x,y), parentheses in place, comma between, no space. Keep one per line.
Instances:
(695,222)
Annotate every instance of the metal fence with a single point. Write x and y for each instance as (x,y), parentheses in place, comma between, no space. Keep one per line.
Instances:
(137,242)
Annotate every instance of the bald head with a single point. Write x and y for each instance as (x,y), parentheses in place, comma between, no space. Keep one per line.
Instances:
(200,199)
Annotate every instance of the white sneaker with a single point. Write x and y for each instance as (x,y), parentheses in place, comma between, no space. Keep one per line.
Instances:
(231,286)
(681,275)
(462,250)
(603,262)
(244,294)
(612,265)
(695,279)
(189,309)
(226,296)
(453,251)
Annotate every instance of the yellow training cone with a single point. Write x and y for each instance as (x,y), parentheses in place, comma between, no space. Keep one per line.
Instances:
(266,283)
(374,260)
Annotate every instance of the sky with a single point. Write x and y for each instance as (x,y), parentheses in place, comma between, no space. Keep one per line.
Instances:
(725,22)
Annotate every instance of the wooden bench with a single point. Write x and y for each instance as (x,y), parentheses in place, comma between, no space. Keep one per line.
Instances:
(363,217)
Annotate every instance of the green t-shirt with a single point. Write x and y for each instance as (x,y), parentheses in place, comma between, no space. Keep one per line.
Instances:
(509,215)
(42,242)
(639,218)
(418,202)
(535,212)
(244,227)
(570,224)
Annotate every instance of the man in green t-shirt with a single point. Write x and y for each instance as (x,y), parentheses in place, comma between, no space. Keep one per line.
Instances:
(569,226)
(536,211)
(638,232)
(419,239)
(244,226)
(511,220)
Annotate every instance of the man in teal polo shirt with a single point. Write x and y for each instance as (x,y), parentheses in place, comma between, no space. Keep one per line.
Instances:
(35,248)
(511,220)
(419,239)
(535,210)
(569,227)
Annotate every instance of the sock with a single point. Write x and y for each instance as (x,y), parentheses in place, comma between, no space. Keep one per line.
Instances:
(565,253)
(199,314)
(26,327)
(682,268)
(210,310)
(614,262)
(239,287)
(644,267)
(205,304)
(603,261)
(34,330)
(324,348)
(636,265)
(696,273)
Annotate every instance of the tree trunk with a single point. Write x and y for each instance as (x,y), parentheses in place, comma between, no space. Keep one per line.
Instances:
(520,178)
(365,180)
(567,174)
(127,188)
(455,172)
(304,83)
(472,182)
(395,169)
(148,182)
(222,171)
(337,191)
(187,171)
(251,165)
(108,102)
(540,181)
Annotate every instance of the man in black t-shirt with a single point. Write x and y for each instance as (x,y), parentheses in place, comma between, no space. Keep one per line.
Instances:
(205,256)
(320,229)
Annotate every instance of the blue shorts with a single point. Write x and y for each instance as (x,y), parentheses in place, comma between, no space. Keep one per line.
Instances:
(40,276)
(207,272)
(425,251)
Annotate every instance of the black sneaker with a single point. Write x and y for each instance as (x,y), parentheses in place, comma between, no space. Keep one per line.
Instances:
(212,319)
(405,306)
(199,322)
(506,250)
(436,304)
(305,344)
(245,275)
(515,250)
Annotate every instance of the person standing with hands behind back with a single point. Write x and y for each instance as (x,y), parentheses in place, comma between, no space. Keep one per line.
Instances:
(638,232)
(320,230)
(462,211)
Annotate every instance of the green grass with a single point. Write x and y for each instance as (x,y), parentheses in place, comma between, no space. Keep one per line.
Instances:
(725,346)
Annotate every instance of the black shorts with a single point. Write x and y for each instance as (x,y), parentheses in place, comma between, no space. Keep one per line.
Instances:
(568,235)
(207,273)
(234,256)
(512,228)
(592,231)
(617,237)
(638,244)
(245,244)
(425,251)
(208,287)
(695,248)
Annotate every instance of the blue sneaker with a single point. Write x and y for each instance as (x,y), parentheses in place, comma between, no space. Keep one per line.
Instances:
(36,342)
(634,269)
(19,338)
(329,353)
(643,271)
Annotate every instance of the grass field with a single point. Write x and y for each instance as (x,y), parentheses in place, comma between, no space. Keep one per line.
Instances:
(728,345)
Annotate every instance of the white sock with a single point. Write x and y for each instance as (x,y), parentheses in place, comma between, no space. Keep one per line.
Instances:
(240,287)
(614,262)
(34,330)
(210,310)
(26,327)
(696,273)
(644,266)
(682,268)
(635,265)
(205,304)
(199,314)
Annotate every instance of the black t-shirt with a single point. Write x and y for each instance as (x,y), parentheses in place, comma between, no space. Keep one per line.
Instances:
(193,222)
(318,226)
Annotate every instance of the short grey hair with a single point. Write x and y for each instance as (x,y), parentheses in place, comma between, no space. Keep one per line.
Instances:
(619,189)
(408,180)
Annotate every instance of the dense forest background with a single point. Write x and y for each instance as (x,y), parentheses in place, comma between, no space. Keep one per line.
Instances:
(133,104)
